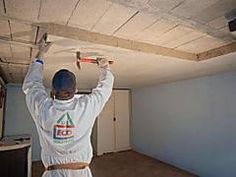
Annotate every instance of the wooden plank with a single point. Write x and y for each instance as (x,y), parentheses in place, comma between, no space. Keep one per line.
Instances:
(83,35)
(115,16)
(88,12)
(137,24)
(56,11)
(223,50)
(27,9)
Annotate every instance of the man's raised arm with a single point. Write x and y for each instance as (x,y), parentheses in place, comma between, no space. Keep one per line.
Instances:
(33,83)
(102,92)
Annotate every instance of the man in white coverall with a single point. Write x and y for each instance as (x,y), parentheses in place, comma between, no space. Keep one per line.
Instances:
(64,124)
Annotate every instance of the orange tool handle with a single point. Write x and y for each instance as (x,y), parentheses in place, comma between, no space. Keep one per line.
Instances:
(90,60)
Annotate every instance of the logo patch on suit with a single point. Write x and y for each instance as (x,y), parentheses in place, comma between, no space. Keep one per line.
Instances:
(63,131)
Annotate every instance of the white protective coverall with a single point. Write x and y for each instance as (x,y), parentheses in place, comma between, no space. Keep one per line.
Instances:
(64,127)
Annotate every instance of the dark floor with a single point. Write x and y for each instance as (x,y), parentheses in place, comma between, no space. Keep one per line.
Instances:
(126,164)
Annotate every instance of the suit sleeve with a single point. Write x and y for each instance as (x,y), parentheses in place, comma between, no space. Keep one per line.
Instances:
(34,90)
(102,92)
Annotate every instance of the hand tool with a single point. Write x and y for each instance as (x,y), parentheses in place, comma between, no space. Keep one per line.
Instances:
(88,60)
(43,45)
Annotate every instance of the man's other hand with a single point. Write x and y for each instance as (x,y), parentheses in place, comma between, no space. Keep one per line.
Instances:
(103,63)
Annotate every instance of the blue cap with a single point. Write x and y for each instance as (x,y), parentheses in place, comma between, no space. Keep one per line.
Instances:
(64,80)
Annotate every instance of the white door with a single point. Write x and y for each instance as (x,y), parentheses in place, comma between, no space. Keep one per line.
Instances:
(122,123)
(105,128)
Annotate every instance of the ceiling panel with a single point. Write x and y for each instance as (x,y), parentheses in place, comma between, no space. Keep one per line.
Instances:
(58,11)
(20,52)
(4,29)
(218,23)
(136,25)
(22,31)
(156,30)
(191,7)
(214,11)
(88,12)
(26,9)
(5,50)
(1,7)
(165,5)
(115,16)
(184,39)
(172,35)
(202,44)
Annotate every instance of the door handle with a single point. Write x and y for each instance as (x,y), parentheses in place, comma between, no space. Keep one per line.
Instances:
(114,119)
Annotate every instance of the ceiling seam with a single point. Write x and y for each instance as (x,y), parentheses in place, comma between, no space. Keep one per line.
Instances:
(4,6)
(179,4)
(101,17)
(127,21)
(147,27)
(11,38)
(189,41)
(72,13)
(40,7)
(179,37)
(170,29)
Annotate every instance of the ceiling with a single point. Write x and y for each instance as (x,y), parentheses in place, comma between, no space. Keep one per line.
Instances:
(149,40)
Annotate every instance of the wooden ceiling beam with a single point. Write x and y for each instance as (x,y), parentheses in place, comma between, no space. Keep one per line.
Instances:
(223,50)
(84,35)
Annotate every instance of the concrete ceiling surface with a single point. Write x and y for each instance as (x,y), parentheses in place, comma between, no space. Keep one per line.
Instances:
(172,24)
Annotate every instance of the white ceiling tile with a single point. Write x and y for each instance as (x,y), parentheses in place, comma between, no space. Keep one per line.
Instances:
(218,23)
(5,29)
(115,16)
(5,50)
(172,35)
(88,12)
(184,39)
(20,52)
(191,7)
(22,31)
(2,12)
(156,30)
(218,9)
(165,5)
(26,9)
(58,11)
(202,44)
(137,24)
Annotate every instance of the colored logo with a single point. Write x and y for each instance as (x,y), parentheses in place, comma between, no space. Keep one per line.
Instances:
(63,130)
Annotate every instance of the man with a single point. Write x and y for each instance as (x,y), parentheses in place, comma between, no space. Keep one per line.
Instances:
(64,124)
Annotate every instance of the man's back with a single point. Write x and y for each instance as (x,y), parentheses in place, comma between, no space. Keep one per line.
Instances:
(64,126)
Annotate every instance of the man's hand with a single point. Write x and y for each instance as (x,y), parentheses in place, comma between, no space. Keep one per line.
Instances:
(103,63)
(43,46)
